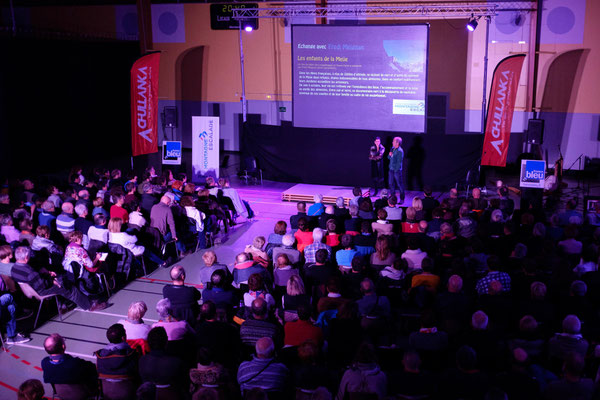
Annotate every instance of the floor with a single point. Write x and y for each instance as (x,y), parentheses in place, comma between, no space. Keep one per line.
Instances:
(85,331)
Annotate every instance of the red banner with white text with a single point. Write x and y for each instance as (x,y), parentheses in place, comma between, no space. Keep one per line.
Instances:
(144,105)
(500,110)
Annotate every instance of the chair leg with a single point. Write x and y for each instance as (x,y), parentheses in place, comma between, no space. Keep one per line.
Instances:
(38,314)
(58,308)
(144,265)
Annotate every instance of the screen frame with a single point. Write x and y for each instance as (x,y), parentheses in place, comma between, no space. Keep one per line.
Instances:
(426,24)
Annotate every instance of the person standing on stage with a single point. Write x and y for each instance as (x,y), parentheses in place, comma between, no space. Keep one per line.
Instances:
(376,157)
(396,157)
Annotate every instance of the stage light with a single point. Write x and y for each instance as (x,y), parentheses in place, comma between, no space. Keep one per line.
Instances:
(472,25)
(248,28)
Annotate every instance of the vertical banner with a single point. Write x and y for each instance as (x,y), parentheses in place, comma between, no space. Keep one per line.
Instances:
(205,147)
(500,110)
(144,105)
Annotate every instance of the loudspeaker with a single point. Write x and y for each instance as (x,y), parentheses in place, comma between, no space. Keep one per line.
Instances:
(535,131)
(170,117)
(216,110)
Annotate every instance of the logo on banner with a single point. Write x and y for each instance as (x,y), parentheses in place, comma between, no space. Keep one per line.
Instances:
(408,107)
(171,153)
(205,147)
(533,173)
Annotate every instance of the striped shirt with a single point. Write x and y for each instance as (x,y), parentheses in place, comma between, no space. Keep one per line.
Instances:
(311,250)
(65,223)
(263,373)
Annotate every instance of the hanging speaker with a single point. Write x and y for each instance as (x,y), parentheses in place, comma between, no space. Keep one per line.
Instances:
(535,131)
(170,117)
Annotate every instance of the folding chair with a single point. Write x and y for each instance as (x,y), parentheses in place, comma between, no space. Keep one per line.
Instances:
(32,294)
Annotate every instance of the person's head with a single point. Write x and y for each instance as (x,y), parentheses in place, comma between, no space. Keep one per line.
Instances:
(366,228)
(318,235)
(538,290)
(265,348)
(255,282)
(466,358)
(329,210)
(288,240)
(55,344)
(503,191)
(186,201)
(157,338)
(67,207)
(241,258)
(209,257)
(303,312)
(411,361)
(528,324)
(81,210)
(303,224)
(42,231)
(571,324)
(339,202)
(136,311)
(464,212)
(318,198)
(479,321)
(366,354)
(22,254)
(76,237)
(333,284)
(5,253)
(382,214)
(280,228)
(166,200)
(283,261)
(539,230)
(301,206)
(178,274)
(493,263)
(382,247)
(455,284)
(331,226)
(217,279)
(411,213)
(453,193)
(48,206)
(494,287)
(476,192)
(578,288)
(353,210)
(115,224)
(356,191)
(367,287)
(31,389)
(308,351)
(427,264)
(377,141)
(295,286)
(392,201)
(115,174)
(347,241)
(417,203)
(116,334)
(100,219)
(163,308)
(397,142)
(258,242)
(259,308)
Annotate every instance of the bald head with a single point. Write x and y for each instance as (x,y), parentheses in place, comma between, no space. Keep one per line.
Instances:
(54,344)
(265,348)
(367,286)
(178,274)
(165,200)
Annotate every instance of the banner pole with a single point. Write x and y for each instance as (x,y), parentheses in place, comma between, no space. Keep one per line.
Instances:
(132,163)
(244,108)
(488,20)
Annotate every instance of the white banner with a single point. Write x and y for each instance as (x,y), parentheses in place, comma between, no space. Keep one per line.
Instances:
(205,147)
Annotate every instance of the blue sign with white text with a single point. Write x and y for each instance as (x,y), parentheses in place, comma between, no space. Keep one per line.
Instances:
(533,173)
(171,153)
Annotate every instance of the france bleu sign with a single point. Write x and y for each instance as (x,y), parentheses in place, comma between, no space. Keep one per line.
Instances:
(533,174)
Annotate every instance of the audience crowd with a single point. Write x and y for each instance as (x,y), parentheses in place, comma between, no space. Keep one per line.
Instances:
(467,298)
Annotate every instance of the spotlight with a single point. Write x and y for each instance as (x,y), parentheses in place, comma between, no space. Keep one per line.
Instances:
(248,28)
(472,25)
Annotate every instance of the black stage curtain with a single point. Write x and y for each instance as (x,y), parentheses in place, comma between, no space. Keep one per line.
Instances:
(340,157)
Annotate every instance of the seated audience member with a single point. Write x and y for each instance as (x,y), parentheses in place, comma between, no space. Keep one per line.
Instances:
(573,385)
(176,330)
(571,245)
(334,299)
(60,368)
(257,289)
(477,202)
(426,277)
(570,215)
(414,256)
(282,271)
(117,360)
(245,267)
(346,254)
(412,381)
(147,199)
(332,237)
(99,231)
(76,253)
(428,337)
(65,222)
(301,330)
(82,224)
(364,376)
(263,371)
(394,213)
(317,274)
(134,325)
(383,256)
(210,266)
(6,264)
(46,283)
(288,249)
(303,235)
(294,296)
(219,291)
(47,217)
(465,225)
(136,219)
(31,389)
(54,196)
(317,244)
(8,315)
(365,209)
(256,250)
(494,274)
(26,231)
(507,205)
(99,208)
(371,305)
(275,238)
(328,214)
(184,299)
(160,368)
(10,233)
(211,374)
(393,275)
(218,337)
(260,325)
(115,236)
(417,204)
(569,340)
(352,224)
(340,211)
(294,219)
(117,210)
(42,241)
(411,225)
(317,208)
(382,226)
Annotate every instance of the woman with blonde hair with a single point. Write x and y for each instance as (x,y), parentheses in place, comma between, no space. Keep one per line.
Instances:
(294,296)
(115,236)
(417,204)
(383,255)
(134,325)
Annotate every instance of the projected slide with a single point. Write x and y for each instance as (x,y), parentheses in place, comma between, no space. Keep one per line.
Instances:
(360,77)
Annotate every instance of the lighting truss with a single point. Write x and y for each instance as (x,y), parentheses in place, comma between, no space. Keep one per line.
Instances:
(350,10)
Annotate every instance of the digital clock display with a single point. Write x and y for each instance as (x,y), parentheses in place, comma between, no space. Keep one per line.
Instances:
(221,16)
